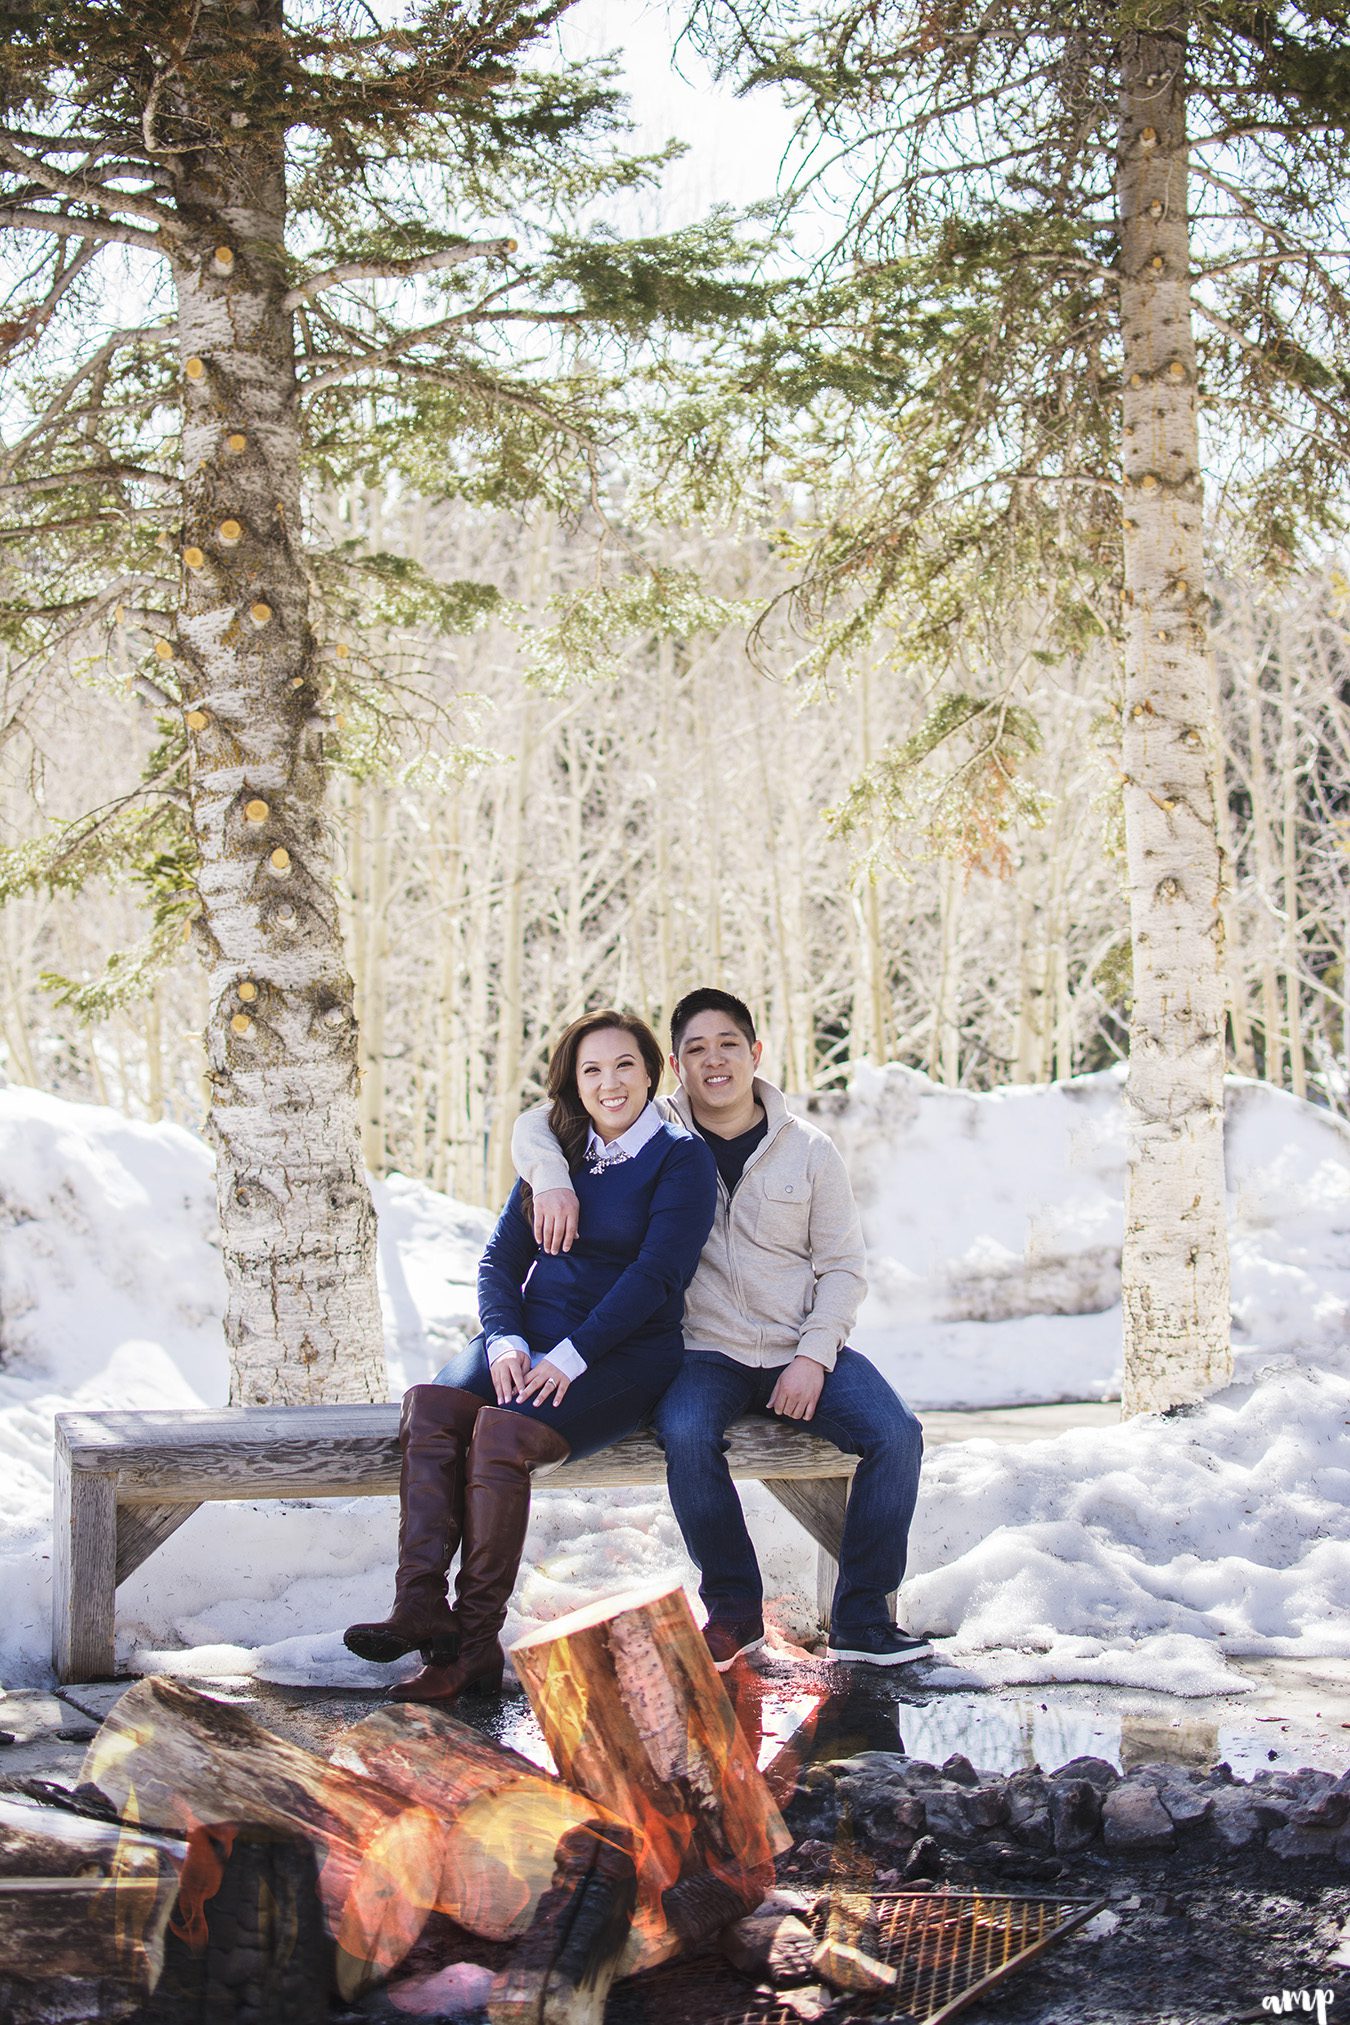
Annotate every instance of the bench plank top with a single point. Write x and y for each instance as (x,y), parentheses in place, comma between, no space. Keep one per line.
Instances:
(158,1455)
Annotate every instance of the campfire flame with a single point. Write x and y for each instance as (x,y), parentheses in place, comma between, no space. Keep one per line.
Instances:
(687,1758)
(377,1915)
(208,1852)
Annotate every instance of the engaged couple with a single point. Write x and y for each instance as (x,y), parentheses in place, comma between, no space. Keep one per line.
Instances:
(669,1264)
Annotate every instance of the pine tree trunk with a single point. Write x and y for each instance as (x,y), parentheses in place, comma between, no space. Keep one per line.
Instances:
(298,1229)
(1175,1267)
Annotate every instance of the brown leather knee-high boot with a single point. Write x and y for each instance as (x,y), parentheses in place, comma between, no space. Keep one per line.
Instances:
(505,1449)
(434,1432)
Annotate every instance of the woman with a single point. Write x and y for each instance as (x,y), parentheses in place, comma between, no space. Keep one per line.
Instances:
(576,1349)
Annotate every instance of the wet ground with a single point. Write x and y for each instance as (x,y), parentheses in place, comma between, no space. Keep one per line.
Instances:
(1185,1940)
(1297,1712)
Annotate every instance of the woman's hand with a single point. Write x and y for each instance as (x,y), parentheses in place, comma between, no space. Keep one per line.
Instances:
(509,1375)
(546,1385)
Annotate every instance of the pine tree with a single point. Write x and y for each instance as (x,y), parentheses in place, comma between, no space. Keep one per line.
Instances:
(1074,237)
(256,244)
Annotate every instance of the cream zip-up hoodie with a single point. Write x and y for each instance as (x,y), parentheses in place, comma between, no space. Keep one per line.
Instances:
(783,1269)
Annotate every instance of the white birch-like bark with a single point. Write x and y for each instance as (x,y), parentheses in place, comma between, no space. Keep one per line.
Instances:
(1289,882)
(1175,1265)
(1263,857)
(374,900)
(511,933)
(298,1229)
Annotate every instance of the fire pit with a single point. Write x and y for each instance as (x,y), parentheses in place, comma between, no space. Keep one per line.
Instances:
(944,1946)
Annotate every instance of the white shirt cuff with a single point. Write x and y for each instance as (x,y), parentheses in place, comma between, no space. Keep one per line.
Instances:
(503,1346)
(568,1358)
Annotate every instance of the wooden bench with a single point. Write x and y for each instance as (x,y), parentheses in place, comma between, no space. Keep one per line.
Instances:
(126,1480)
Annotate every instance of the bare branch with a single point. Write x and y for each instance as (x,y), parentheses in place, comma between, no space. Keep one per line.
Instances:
(1254,350)
(81,191)
(381,355)
(397,270)
(40,315)
(162,333)
(91,474)
(89,229)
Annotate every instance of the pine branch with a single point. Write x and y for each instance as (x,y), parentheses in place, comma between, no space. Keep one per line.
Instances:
(397,270)
(91,474)
(1330,409)
(35,320)
(79,190)
(161,332)
(100,230)
(382,355)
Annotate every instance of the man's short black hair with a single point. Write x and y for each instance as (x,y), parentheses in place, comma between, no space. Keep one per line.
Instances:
(709,999)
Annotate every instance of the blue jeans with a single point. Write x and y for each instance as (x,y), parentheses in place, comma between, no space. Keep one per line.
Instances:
(860,1413)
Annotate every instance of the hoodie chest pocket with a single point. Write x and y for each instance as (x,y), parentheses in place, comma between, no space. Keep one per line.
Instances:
(783,1213)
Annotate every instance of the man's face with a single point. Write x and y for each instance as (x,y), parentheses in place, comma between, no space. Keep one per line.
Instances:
(716,1063)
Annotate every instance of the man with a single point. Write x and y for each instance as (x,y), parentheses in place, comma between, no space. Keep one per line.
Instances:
(766,1319)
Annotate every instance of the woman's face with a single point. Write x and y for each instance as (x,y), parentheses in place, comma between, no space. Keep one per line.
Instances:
(611,1080)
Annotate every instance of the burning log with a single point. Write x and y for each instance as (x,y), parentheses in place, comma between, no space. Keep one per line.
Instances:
(637,1717)
(525,1856)
(247,1939)
(38,1841)
(845,1967)
(773,1944)
(104,1935)
(562,1971)
(83,1901)
(179,1759)
(415,1813)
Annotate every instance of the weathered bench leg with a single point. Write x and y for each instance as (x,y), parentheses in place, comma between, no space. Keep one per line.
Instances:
(819,1504)
(142,1528)
(84,1572)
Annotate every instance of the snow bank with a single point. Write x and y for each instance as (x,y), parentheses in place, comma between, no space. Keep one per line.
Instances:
(1005,1210)
(1138,1555)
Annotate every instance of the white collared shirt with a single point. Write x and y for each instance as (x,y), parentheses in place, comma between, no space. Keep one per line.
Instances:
(599,1153)
(602,1153)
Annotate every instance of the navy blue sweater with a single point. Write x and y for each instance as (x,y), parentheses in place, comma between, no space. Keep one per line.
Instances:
(644,1222)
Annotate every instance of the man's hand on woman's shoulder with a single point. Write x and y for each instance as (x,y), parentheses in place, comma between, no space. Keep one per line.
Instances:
(556,1213)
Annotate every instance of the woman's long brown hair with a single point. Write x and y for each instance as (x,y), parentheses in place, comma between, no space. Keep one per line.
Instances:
(568,1119)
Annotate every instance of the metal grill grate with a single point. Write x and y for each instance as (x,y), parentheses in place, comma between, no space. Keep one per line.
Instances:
(946,1947)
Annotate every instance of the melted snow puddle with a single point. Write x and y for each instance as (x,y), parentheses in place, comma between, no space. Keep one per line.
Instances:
(801,1721)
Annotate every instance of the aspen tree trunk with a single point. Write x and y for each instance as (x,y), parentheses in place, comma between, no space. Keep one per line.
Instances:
(1063,1012)
(448,1013)
(371,1044)
(1293,998)
(1263,852)
(871,1021)
(667,785)
(944,1048)
(302,1318)
(1026,1025)
(154,1053)
(511,938)
(1244,1054)
(1175,1265)
(21,1064)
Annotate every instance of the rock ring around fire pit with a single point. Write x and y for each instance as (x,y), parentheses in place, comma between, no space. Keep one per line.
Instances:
(1027,1823)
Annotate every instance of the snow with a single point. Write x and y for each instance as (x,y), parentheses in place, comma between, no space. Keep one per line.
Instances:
(1145,1554)
(1005,1210)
